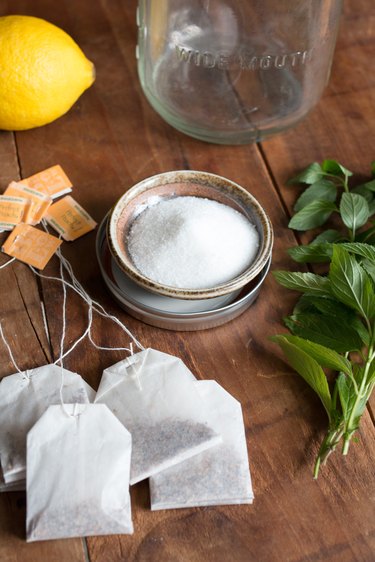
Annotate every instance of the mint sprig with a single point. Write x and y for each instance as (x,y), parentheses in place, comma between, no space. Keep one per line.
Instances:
(333,323)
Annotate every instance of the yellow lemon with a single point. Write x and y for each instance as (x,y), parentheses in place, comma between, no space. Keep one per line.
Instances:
(42,72)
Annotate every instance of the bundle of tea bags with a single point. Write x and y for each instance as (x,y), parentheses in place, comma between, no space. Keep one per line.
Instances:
(78,463)
(24,397)
(217,476)
(154,395)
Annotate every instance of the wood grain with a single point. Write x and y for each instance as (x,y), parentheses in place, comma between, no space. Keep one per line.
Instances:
(108,141)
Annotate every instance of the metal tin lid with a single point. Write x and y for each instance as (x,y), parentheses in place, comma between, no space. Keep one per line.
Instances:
(147,310)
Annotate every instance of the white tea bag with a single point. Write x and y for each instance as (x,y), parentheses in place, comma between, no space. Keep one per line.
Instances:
(219,476)
(78,463)
(24,397)
(154,395)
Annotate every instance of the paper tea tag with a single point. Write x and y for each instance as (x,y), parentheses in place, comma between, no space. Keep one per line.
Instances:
(78,462)
(12,211)
(30,245)
(24,397)
(69,219)
(219,476)
(52,182)
(38,203)
(154,396)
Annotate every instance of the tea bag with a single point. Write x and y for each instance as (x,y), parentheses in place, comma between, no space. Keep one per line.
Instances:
(219,476)
(24,397)
(78,462)
(154,395)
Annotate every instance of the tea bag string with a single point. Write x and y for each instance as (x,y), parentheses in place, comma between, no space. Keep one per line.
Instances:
(7,263)
(137,371)
(63,334)
(94,306)
(9,349)
(98,308)
(2,335)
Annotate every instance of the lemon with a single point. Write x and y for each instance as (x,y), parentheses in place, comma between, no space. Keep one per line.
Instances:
(42,72)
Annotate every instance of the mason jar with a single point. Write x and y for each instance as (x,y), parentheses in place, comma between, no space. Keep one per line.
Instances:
(235,71)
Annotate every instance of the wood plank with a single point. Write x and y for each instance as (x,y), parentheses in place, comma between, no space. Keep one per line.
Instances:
(22,321)
(108,141)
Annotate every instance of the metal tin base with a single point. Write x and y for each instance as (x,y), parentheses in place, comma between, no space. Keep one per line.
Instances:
(170,319)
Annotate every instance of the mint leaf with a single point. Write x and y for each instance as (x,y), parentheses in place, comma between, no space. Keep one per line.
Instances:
(335,168)
(373,168)
(329,235)
(369,267)
(309,175)
(326,305)
(324,190)
(371,374)
(371,207)
(347,393)
(368,297)
(325,330)
(304,282)
(354,210)
(365,250)
(314,214)
(367,236)
(366,190)
(308,368)
(350,283)
(370,185)
(323,355)
(313,253)
(331,308)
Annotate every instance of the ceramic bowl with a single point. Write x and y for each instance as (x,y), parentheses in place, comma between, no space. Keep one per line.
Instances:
(187,183)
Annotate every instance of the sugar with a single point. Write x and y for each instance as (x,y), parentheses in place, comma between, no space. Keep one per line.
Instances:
(192,242)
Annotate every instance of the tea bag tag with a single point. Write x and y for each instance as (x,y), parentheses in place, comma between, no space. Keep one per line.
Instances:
(136,363)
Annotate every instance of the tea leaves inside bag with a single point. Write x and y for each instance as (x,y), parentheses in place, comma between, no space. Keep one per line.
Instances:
(24,397)
(153,394)
(218,476)
(78,464)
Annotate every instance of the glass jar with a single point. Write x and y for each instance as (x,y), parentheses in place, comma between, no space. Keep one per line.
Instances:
(235,71)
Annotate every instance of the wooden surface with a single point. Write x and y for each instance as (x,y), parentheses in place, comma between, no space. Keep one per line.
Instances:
(107,142)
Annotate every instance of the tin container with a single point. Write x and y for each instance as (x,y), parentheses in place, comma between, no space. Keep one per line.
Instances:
(145,305)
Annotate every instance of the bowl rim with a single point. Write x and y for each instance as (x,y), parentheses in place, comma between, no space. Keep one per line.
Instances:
(190,176)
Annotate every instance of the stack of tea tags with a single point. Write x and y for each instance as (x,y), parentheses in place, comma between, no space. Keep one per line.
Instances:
(27,202)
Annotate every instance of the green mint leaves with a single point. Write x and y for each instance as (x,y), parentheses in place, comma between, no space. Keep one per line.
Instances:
(334,317)
(328,192)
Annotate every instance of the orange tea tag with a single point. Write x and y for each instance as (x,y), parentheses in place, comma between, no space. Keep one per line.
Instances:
(52,182)
(69,219)
(12,211)
(31,245)
(38,203)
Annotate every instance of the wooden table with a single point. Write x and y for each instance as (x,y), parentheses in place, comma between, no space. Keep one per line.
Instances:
(110,140)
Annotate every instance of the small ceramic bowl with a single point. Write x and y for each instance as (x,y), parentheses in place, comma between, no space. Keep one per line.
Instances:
(187,183)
